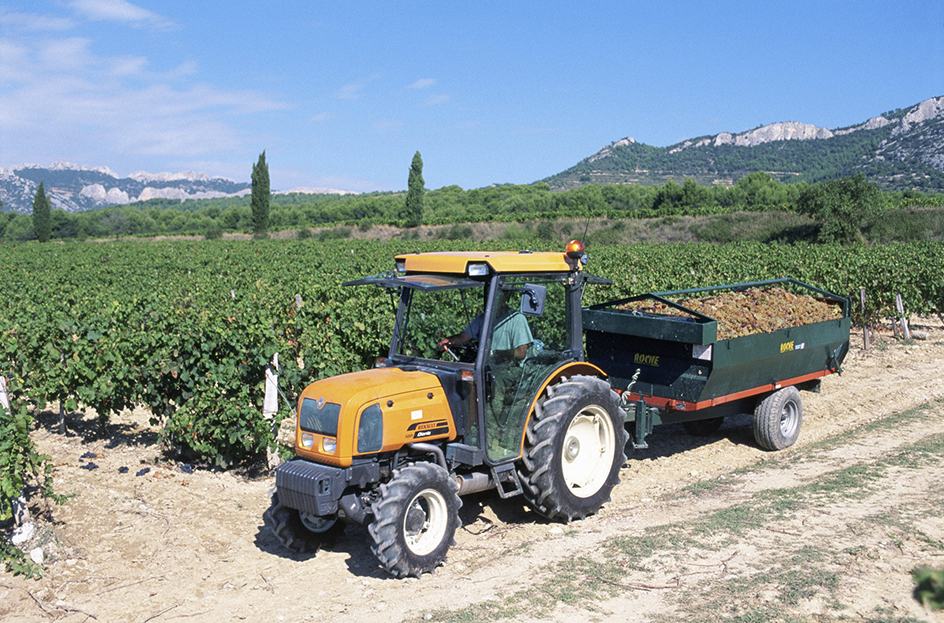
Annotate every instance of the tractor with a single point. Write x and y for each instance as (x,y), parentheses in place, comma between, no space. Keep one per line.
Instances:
(485,386)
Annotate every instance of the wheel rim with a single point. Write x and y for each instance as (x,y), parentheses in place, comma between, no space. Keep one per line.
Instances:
(316,523)
(789,419)
(587,453)
(425,522)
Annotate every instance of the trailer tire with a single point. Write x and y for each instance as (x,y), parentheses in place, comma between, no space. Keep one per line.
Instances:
(573,450)
(415,519)
(296,533)
(777,419)
(703,428)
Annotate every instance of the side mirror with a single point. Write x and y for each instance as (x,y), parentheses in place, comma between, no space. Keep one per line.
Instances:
(532,299)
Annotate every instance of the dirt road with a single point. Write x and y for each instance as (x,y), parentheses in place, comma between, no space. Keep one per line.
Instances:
(693,521)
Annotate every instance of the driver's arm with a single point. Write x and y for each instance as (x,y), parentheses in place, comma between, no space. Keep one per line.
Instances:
(454,340)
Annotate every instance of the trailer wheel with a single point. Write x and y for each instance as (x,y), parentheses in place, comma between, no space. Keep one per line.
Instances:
(297,531)
(777,419)
(703,428)
(415,519)
(574,448)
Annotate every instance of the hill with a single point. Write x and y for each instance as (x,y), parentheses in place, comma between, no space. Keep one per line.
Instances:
(75,188)
(898,150)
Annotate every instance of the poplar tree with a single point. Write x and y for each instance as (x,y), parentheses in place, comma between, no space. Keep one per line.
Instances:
(260,196)
(413,209)
(41,215)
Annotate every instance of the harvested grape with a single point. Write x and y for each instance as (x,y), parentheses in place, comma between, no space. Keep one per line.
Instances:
(749,311)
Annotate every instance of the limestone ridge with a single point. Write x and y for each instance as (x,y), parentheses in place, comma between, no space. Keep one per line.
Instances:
(902,149)
(76,188)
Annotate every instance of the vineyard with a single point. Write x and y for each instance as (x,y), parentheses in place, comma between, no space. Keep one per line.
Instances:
(185,329)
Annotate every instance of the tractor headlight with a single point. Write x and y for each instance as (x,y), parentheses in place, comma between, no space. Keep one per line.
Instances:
(308,440)
(329,445)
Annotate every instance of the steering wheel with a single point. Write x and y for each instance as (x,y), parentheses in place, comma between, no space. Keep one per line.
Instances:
(463,354)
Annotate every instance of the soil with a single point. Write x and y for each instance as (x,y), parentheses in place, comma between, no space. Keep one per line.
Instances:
(167,544)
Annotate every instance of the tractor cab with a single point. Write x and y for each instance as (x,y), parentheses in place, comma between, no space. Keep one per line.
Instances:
(492,327)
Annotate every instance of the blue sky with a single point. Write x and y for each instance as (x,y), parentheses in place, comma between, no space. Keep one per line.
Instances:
(342,94)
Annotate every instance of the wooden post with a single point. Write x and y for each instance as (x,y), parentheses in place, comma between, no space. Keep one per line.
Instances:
(905,331)
(20,508)
(270,409)
(865,322)
(62,418)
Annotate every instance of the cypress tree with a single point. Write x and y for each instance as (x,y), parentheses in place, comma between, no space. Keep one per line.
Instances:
(41,215)
(413,209)
(260,196)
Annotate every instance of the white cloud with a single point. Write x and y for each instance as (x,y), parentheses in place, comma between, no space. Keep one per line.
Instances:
(120,11)
(34,21)
(437,99)
(65,54)
(423,83)
(128,65)
(354,90)
(349,91)
(58,95)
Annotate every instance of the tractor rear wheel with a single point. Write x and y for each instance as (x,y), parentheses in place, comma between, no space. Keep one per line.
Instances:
(574,448)
(298,531)
(415,519)
(777,419)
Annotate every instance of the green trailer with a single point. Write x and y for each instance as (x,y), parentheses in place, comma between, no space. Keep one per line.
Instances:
(672,368)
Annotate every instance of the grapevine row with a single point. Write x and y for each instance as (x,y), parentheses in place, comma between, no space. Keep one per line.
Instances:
(186,329)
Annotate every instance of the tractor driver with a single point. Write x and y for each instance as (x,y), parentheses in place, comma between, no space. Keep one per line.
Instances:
(510,338)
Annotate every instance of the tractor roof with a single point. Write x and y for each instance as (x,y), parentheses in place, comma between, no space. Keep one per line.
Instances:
(457,262)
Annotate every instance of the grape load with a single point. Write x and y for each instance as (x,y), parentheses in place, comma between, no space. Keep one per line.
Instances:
(749,311)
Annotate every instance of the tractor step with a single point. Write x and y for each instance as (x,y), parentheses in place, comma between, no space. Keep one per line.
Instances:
(506,475)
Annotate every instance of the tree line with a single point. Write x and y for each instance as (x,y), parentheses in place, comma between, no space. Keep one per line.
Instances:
(451,204)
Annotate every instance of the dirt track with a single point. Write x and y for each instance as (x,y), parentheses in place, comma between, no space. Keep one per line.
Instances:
(168,545)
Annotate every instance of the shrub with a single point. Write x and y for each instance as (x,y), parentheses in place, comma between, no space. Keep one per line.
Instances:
(845,207)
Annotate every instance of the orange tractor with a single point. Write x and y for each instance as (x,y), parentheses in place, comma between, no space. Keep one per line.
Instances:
(484,387)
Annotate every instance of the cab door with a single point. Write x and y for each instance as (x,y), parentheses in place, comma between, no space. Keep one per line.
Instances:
(527,339)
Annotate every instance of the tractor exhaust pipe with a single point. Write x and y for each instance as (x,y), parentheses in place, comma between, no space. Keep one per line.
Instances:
(468,483)
(474,482)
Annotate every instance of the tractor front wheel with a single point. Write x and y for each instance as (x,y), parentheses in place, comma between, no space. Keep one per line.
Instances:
(574,448)
(415,519)
(299,531)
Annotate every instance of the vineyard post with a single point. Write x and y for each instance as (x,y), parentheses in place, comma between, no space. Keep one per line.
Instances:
(270,407)
(865,323)
(62,410)
(906,332)
(21,513)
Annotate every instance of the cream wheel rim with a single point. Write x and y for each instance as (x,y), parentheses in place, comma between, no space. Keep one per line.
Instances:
(425,521)
(588,450)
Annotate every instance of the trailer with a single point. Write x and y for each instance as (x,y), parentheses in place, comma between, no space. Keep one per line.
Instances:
(672,368)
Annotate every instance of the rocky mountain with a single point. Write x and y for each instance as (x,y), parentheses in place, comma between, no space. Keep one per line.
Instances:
(75,188)
(899,150)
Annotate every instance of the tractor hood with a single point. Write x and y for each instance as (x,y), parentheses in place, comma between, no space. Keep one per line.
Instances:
(371,411)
